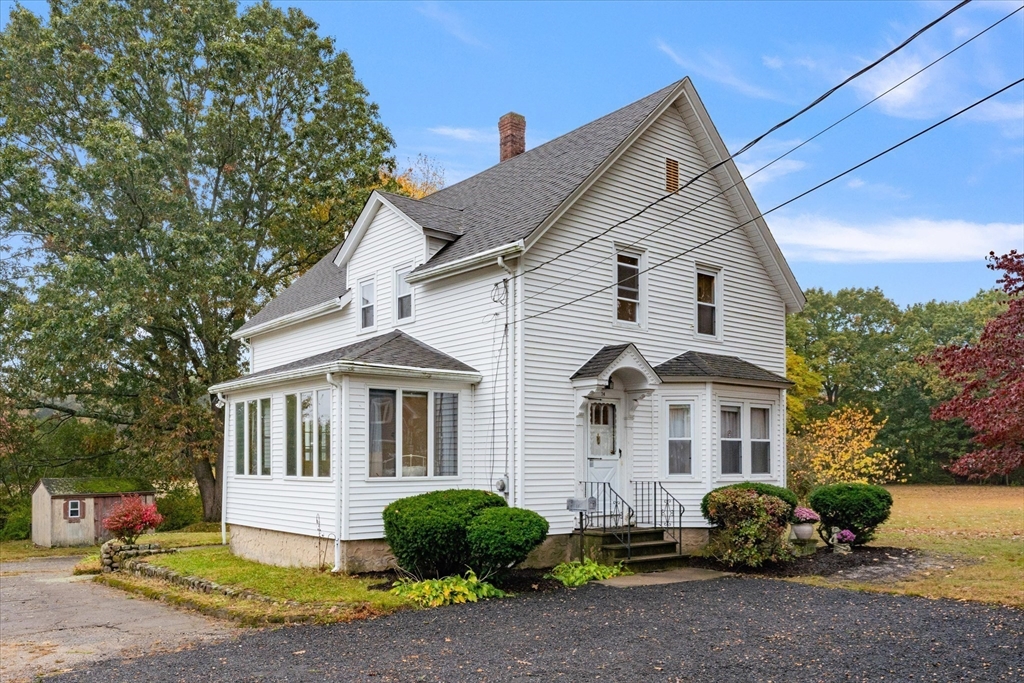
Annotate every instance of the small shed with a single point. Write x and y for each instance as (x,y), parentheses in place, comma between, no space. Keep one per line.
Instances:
(70,511)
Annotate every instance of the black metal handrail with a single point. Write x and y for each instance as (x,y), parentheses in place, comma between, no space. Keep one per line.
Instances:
(612,515)
(657,507)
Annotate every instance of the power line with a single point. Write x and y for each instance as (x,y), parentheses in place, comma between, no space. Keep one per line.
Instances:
(821,98)
(779,206)
(773,161)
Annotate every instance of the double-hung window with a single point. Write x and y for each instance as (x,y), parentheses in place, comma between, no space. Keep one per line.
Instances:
(745,439)
(252,437)
(367,304)
(680,438)
(413,433)
(307,434)
(707,303)
(627,287)
(403,295)
(74,509)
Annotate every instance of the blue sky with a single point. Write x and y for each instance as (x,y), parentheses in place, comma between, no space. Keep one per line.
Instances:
(917,223)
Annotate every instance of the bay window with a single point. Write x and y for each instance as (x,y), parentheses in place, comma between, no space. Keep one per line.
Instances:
(731,426)
(424,431)
(680,438)
(745,439)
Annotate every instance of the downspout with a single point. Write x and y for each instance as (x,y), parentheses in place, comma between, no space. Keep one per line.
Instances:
(510,384)
(337,475)
(221,403)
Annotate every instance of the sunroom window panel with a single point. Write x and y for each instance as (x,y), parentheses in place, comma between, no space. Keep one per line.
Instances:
(414,434)
(265,436)
(382,433)
(306,407)
(291,434)
(239,438)
(323,432)
(446,434)
(253,424)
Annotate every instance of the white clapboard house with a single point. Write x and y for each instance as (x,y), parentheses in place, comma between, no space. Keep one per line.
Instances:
(515,333)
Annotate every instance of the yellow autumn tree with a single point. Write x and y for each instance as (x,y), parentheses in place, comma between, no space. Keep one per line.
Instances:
(840,449)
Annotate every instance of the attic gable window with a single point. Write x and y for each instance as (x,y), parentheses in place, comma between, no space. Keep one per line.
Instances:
(367,304)
(671,175)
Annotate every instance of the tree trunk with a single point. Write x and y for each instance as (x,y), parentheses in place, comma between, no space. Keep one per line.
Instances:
(209,488)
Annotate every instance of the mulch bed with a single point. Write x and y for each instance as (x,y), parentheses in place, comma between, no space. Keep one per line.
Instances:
(881,560)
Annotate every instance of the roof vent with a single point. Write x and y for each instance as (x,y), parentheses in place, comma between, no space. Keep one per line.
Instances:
(512,129)
(671,175)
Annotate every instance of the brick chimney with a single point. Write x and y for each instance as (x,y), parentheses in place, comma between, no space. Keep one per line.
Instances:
(512,129)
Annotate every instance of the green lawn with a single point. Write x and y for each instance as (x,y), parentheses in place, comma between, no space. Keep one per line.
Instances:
(11,551)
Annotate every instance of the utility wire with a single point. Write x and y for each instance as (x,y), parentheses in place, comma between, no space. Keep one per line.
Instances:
(773,161)
(779,206)
(821,98)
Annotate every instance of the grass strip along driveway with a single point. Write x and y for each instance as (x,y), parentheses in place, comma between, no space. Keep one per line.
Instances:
(976,531)
(12,551)
(293,594)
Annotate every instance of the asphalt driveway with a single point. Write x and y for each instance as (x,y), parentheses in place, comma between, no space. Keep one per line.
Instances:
(53,621)
(730,629)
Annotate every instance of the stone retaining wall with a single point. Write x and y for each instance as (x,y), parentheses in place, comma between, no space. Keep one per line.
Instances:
(139,567)
(113,555)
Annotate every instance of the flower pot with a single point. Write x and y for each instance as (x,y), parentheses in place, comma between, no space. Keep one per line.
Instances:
(803,531)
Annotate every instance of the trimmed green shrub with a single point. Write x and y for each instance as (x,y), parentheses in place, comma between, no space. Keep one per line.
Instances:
(785,495)
(427,533)
(857,507)
(18,526)
(500,538)
(751,527)
(180,507)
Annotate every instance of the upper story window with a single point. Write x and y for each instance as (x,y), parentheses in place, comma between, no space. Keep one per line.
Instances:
(367,304)
(707,303)
(403,295)
(627,293)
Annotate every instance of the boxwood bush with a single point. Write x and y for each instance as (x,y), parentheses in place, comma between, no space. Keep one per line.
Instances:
(785,495)
(750,527)
(427,533)
(500,538)
(857,507)
(180,507)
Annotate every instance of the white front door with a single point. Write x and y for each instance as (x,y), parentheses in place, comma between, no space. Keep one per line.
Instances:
(604,451)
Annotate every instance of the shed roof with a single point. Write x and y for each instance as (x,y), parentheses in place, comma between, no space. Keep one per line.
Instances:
(700,364)
(93,485)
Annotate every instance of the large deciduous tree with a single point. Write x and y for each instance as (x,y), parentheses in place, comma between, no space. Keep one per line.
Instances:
(990,374)
(165,166)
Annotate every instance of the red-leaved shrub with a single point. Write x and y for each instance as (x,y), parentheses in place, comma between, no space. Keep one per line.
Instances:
(131,518)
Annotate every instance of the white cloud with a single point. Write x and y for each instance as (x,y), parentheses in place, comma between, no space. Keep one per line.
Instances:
(717,70)
(488,135)
(772,62)
(810,237)
(855,183)
(780,168)
(450,21)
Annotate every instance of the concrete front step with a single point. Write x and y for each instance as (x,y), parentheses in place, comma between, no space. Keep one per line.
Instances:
(636,535)
(619,551)
(655,563)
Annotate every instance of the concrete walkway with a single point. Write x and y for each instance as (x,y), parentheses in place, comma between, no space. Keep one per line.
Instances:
(680,575)
(53,621)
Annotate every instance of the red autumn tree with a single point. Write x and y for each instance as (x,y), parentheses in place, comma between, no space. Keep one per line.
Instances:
(991,376)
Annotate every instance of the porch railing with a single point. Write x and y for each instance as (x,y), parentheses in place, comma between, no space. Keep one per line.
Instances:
(656,507)
(612,515)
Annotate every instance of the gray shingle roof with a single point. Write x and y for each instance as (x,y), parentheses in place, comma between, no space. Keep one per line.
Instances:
(322,282)
(428,215)
(93,486)
(698,364)
(599,361)
(507,202)
(393,348)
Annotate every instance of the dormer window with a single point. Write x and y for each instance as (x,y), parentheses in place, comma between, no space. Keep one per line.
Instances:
(403,295)
(367,304)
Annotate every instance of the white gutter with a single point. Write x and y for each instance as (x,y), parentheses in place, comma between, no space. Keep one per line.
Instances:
(223,475)
(346,367)
(329,306)
(337,480)
(462,265)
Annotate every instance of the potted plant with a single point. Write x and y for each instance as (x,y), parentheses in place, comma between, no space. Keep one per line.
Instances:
(803,523)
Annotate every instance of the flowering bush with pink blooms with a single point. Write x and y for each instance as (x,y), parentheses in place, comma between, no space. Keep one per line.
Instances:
(846,536)
(131,518)
(802,515)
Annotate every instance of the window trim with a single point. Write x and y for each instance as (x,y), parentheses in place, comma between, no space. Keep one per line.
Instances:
(299,476)
(259,453)
(641,303)
(431,434)
(696,461)
(372,280)
(399,273)
(718,274)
